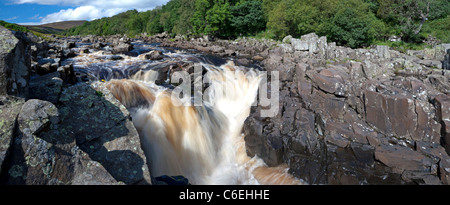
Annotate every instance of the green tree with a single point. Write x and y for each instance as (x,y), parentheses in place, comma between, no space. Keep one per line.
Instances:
(247,18)
(199,21)
(409,16)
(352,25)
(277,20)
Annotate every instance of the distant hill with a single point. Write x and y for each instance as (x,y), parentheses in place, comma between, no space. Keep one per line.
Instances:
(53,28)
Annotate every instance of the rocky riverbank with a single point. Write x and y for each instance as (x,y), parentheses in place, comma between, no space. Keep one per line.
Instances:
(57,131)
(347,116)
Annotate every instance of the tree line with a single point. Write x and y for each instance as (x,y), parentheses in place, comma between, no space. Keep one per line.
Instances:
(353,23)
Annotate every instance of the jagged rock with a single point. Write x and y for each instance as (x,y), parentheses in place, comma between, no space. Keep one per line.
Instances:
(300,45)
(15,63)
(442,104)
(411,164)
(47,87)
(446,62)
(331,81)
(9,110)
(68,45)
(88,139)
(440,83)
(67,74)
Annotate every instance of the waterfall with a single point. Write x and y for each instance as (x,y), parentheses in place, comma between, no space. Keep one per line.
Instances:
(203,143)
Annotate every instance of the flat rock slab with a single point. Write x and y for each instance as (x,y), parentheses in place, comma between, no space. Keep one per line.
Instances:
(402,159)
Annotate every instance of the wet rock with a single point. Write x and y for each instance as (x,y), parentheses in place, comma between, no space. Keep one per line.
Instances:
(152,55)
(122,47)
(15,63)
(68,45)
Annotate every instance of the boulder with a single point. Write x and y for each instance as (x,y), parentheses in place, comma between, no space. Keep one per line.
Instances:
(152,55)
(122,47)
(15,63)
(300,45)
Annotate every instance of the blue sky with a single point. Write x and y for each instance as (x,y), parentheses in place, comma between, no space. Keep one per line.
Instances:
(48,11)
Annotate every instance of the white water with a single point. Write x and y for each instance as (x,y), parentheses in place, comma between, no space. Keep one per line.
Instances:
(202,143)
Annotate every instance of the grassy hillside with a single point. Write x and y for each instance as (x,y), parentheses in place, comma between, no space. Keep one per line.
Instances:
(54,28)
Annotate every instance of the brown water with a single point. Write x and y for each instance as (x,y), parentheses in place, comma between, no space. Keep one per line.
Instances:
(203,143)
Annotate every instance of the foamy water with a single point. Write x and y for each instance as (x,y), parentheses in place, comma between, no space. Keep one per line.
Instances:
(204,142)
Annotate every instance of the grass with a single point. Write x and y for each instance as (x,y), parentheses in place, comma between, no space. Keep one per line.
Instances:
(402,46)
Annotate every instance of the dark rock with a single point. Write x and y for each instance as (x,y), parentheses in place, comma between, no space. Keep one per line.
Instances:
(15,63)
(413,165)
(98,45)
(87,139)
(168,180)
(85,51)
(329,83)
(47,87)
(442,104)
(9,110)
(444,168)
(446,62)
(391,113)
(68,53)
(68,45)
(67,74)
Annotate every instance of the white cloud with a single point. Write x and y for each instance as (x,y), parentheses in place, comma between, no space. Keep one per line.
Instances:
(90,10)
(12,18)
(80,13)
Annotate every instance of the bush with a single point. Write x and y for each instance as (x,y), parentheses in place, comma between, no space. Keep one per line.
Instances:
(353,25)
(439,28)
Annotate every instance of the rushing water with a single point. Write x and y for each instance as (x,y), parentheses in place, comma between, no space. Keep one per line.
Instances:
(204,142)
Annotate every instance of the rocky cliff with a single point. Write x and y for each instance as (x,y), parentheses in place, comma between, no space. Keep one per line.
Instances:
(348,116)
(356,116)
(68,132)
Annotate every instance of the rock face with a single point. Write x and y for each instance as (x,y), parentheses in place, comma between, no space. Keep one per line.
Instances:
(87,139)
(65,133)
(14,63)
(446,62)
(354,116)
(73,145)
